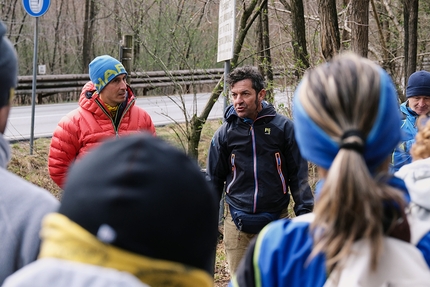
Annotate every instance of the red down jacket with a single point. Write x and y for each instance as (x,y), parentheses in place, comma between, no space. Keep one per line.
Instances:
(83,128)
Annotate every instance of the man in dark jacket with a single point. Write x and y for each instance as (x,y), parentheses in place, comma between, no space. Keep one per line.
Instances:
(254,153)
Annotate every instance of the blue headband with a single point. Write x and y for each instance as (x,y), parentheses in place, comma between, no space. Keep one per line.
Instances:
(318,147)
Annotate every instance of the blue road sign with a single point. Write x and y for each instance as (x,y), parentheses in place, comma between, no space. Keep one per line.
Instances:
(36,8)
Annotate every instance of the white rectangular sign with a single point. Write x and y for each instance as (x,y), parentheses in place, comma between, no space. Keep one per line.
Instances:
(226,29)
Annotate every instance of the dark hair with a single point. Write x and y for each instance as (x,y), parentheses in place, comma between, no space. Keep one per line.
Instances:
(247,72)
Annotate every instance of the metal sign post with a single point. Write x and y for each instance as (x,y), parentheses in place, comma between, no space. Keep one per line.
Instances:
(226,34)
(35,8)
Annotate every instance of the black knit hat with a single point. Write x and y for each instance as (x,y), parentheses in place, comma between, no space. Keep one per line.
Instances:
(8,68)
(418,84)
(140,194)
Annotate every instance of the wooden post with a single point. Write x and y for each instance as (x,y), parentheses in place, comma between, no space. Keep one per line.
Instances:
(127,54)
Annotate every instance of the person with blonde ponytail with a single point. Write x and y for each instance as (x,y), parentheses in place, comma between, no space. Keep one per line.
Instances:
(346,122)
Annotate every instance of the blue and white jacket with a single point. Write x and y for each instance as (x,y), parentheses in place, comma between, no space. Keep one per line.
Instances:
(279,257)
(401,154)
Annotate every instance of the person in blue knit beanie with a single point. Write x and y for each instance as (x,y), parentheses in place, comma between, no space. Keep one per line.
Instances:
(417,104)
(106,109)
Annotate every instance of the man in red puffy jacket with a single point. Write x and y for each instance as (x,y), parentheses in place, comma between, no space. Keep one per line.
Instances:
(106,109)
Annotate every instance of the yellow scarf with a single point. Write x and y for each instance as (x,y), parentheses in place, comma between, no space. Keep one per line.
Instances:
(112,110)
(64,239)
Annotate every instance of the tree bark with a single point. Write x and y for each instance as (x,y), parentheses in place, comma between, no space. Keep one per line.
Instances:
(360,27)
(410,8)
(330,36)
(90,15)
(345,38)
(299,37)
(264,57)
(268,69)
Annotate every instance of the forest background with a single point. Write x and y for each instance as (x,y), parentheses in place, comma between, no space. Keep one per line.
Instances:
(286,36)
(283,38)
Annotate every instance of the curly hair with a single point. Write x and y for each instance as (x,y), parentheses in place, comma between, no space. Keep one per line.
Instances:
(250,73)
(421,148)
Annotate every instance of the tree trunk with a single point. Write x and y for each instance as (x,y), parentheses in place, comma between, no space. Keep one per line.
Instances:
(56,37)
(299,37)
(85,44)
(330,38)
(410,8)
(90,15)
(360,27)
(267,64)
(264,57)
(346,35)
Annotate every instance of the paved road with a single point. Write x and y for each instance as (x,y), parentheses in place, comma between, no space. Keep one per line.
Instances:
(163,110)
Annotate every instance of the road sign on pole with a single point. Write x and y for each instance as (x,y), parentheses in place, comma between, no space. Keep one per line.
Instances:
(226,29)
(35,8)
(226,33)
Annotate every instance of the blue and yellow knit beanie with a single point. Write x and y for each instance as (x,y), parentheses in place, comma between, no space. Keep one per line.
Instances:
(104,69)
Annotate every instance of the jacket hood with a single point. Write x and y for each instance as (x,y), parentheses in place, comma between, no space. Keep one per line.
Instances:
(417,179)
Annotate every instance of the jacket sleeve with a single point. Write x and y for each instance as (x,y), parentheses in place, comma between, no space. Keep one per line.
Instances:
(424,246)
(147,125)
(280,256)
(63,150)
(217,162)
(401,155)
(298,174)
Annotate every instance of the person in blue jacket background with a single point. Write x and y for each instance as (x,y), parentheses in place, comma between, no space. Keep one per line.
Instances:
(346,121)
(417,104)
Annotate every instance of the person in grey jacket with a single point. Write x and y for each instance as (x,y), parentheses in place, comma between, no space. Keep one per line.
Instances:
(22,204)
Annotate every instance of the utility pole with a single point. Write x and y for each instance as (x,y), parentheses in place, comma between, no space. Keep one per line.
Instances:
(126,53)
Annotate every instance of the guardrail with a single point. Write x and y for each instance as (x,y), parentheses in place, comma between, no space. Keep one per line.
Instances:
(47,85)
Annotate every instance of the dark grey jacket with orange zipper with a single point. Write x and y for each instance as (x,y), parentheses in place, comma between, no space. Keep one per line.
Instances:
(259,161)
